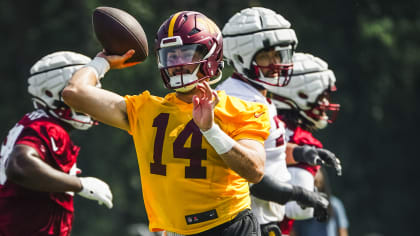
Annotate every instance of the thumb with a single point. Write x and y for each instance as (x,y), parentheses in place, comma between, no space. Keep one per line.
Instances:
(129,54)
(108,203)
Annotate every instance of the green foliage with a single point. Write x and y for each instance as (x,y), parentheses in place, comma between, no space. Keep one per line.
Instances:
(372,46)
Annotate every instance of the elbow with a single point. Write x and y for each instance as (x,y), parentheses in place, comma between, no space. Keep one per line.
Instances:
(257,176)
(260,164)
(258,169)
(75,95)
(255,179)
(69,95)
(14,173)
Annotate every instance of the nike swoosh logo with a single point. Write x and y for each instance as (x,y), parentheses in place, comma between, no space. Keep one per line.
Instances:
(258,114)
(54,147)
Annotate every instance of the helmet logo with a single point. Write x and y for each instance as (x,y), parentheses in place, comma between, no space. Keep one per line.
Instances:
(206,23)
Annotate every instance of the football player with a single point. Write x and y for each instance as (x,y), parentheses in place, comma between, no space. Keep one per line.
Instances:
(38,158)
(304,106)
(196,148)
(259,43)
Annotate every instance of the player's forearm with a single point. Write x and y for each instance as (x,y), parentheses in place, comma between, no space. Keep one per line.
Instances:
(247,158)
(270,189)
(82,94)
(26,169)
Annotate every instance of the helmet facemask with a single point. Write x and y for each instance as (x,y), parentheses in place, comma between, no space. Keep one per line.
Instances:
(322,112)
(277,73)
(76,119)
(180,66)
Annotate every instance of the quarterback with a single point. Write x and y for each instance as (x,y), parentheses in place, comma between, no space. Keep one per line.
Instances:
(38,158)
(197,149)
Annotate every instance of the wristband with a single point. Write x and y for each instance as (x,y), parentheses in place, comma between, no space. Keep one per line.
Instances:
(100,66)
(219,140)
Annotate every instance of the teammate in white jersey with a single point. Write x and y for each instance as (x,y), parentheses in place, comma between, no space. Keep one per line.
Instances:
(259,44)
(305,106)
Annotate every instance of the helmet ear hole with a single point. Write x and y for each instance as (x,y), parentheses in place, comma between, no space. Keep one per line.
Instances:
(302,95)
(239,58)
(48,93)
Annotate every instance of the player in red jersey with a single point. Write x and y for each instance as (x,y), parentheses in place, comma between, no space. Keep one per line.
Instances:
(38,158)
(303,107)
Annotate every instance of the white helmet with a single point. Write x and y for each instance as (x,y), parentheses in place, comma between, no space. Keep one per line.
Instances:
(255,29)
(48,78)
(308,90)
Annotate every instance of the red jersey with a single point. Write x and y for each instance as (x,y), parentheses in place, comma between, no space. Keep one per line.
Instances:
(28,212)
(299,136)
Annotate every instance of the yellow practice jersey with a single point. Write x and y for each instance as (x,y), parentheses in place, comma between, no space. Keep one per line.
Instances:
(187,188)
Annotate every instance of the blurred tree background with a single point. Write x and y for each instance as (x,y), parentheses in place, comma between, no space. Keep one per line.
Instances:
(373,47)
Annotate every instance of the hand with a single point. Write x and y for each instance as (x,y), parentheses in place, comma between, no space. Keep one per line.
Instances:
(317,156)
(96,189)
(317,200)
(118,62)
(321,214)
(203,111)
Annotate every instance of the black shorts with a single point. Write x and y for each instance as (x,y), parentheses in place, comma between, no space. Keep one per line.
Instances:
(244,224)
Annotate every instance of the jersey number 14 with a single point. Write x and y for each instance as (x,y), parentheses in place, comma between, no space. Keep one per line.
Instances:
(195,153)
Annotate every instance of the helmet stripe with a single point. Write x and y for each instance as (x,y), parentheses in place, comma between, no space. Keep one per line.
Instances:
(172,24)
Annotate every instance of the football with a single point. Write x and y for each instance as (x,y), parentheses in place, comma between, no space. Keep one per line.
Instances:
(118,32)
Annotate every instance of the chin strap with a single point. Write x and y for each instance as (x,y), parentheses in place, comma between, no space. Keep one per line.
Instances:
(217,79)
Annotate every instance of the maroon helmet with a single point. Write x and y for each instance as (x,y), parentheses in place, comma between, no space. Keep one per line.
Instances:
(188,46)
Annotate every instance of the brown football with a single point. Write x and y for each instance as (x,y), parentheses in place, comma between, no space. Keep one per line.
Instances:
(118,32)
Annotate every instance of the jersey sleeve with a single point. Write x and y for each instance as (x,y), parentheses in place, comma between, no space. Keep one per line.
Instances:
(31,138)
(52,143)
(241,119)
(133,103)
(304,137)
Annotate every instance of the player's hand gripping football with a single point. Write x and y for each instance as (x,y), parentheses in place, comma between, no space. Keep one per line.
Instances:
(204,104)
(96,189)
(118,62)
(317,156)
